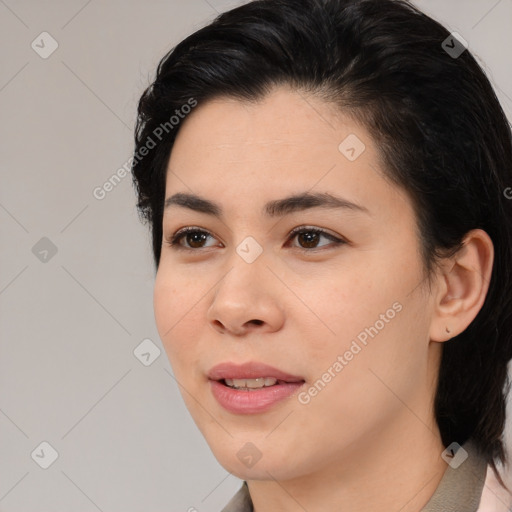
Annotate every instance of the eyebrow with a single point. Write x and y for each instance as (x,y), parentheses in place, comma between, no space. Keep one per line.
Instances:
(275,208)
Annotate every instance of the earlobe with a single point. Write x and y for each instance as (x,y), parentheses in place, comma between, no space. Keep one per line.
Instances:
(463,285)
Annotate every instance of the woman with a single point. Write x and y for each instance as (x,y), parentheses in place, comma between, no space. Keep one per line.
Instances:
(326,182)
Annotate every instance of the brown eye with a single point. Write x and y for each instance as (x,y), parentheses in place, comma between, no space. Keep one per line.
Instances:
(308,237)
(193,236)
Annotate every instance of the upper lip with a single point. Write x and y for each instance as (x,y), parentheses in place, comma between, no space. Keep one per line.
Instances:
(250,370)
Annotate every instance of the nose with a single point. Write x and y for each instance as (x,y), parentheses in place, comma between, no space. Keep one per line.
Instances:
(247,299)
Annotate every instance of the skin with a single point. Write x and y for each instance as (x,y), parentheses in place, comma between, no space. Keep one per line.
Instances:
(368,441)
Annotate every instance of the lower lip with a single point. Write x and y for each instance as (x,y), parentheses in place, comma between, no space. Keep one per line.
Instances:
(252,402)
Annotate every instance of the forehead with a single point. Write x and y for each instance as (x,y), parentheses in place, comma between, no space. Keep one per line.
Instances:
(286,143)
(284,120)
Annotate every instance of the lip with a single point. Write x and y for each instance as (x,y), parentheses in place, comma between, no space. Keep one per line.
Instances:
(250,370)
(255,401)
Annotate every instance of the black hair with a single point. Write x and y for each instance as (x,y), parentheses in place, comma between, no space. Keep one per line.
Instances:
(435,119)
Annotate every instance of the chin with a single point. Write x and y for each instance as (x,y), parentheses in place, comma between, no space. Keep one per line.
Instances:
(265,468)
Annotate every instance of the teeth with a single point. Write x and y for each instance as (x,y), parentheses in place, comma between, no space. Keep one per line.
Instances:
(251,383)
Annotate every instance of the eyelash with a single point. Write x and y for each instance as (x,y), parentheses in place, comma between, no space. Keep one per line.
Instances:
(173,240)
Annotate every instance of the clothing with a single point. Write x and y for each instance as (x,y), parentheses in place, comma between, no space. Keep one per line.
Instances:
(459,490)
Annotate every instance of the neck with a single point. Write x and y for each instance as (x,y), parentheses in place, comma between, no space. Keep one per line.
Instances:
(394,469)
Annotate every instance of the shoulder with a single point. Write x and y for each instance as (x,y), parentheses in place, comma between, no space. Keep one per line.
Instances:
(460,489)
(240,502)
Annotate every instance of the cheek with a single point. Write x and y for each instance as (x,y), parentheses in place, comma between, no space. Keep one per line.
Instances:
(163,303)
(347,299)
(371,305)
(173,303)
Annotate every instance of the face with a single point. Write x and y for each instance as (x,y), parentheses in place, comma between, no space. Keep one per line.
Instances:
(340,305)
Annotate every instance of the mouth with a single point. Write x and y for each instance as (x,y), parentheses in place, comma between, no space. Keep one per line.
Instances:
(254,384)
(251,375)
(252,387)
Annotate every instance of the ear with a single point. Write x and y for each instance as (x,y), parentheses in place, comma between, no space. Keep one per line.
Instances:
(462,286)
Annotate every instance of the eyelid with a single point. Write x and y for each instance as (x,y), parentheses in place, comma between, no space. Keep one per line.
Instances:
(314,229)
(174,239)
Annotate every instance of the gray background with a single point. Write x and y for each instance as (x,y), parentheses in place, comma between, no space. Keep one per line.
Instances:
(70,321)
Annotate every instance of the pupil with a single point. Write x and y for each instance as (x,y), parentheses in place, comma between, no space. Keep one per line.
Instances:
(199,235)
(309,235)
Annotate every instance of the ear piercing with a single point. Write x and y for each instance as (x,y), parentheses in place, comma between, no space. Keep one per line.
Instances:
(447,330)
